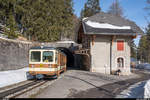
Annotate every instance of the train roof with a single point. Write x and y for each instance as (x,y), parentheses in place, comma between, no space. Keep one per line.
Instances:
(43,47)
(46,48)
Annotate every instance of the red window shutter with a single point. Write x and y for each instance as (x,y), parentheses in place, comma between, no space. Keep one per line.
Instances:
(120,45)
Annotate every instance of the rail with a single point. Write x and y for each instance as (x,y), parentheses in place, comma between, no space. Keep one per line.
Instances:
(14,92)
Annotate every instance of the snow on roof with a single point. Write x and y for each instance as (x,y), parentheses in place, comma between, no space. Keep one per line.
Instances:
(109,24)
(105,25)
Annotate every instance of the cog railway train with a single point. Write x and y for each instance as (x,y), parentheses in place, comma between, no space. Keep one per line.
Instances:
(46,62)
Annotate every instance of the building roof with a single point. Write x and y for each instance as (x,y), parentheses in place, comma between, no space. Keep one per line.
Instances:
(108,24)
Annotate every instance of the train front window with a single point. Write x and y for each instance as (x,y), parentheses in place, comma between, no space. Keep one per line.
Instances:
(35,56)
(48,56)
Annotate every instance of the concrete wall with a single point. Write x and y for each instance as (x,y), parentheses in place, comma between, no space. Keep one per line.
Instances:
(100,55)
(13,54)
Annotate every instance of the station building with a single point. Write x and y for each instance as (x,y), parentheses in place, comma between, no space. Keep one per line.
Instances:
(108,38)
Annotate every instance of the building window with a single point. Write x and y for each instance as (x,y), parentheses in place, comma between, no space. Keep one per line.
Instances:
(120,62)
(120,45)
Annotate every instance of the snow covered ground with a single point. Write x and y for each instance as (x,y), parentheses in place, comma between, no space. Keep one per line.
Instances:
(134,91)
(138,90)
(147,90)
(12,77)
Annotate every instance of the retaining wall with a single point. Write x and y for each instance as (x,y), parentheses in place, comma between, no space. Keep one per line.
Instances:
(13,54)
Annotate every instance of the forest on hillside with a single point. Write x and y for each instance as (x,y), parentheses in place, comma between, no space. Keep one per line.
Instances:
(38,20)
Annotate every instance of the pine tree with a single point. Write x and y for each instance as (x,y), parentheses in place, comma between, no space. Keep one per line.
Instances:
(148,43)
(133,50)
(67,19)
(41,20)
(116,9)
(8,17)
(48,20)
(91,7)
(142,49)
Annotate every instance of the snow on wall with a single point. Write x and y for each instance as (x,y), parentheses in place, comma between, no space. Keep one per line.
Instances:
(147,90)
(105,25)
(12,77)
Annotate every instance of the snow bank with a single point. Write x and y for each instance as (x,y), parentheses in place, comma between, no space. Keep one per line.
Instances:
(12,76)
(134,91)
(147,90)
(106,25)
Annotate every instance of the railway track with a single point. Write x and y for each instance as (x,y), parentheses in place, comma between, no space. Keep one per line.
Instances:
(14,92)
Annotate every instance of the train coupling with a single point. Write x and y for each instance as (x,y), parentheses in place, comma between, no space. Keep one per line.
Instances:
(39,76)
(29,76)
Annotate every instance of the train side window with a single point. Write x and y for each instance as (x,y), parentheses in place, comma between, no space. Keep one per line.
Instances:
(35,56)
(48,56)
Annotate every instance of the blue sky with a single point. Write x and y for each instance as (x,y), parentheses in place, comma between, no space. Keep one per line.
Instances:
(133,10)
